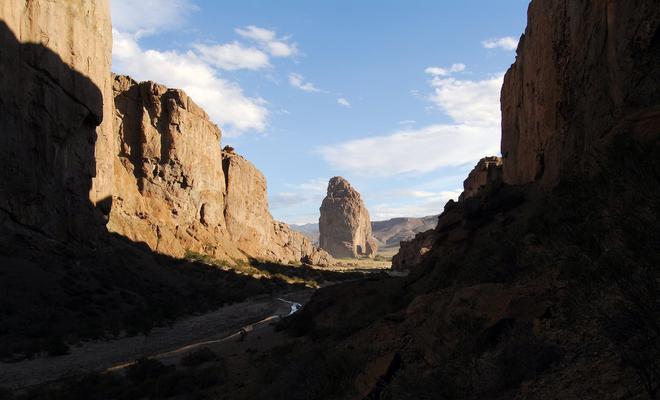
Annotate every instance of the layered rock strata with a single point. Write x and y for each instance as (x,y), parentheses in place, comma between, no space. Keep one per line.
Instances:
(344,224)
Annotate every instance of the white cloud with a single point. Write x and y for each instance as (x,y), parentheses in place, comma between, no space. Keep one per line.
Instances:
(468,101)
(432,205)
(298,82)
(197,70)
(223,100)
(268,40)
(414,193)
(343,102)
(146,16)
(233,56)
(505,43)
(439,71)
(473,105)
(414,151)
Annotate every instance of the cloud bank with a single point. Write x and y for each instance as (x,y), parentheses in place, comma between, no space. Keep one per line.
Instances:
(473,106)
(198,70)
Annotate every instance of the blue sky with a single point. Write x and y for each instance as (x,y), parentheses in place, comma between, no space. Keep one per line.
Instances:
(399,97)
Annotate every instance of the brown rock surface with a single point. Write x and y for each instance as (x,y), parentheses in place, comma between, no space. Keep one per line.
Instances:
(177,191)
(249,222)
(246,210)
(56,134)
(170,187)
(582,68)
(488,171)
(544,286)
(344,224)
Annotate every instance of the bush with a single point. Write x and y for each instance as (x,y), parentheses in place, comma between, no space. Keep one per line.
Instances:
(146,368)
(198,357)
(56,347)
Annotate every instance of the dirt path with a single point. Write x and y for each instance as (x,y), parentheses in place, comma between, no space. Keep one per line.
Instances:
(182,336)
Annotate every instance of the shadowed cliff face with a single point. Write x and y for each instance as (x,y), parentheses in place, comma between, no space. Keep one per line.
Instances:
(543,286)
(48,130)
(583,68)
(63,276)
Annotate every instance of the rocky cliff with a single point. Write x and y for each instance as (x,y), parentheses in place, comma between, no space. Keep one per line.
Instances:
(543,285)
(56,132)
(344,224)
(153,171)
(583,68)
(487,172)
(170,187)
(249,222)
(177,191)
(484,177)
(95,199)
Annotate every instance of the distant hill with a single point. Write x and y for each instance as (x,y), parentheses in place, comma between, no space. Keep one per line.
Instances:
(393,231)
(388,233)
(310,230)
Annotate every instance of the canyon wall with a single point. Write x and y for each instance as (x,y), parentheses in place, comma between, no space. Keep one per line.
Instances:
(583,67)
(545,283)
(56,139)
(82,148)
(177,191)
(169,184)
(344,224)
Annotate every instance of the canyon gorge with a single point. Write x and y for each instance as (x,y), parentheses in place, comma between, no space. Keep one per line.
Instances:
(120,212)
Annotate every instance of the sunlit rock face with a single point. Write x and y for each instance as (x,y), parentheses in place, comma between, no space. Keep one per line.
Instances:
(177,191)
(56,139)
(344,224)
(170,187)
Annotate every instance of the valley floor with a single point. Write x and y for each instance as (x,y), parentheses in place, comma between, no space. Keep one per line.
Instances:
(165,343)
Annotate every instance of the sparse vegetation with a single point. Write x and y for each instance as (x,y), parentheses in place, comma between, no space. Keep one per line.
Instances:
(147,379)
(198,357)
(300,275)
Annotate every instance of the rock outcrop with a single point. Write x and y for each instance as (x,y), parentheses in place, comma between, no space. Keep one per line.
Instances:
(249,223)
(56,132)
(582,69)
(177,191)
(487,172)
(170,187)
(344,224)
